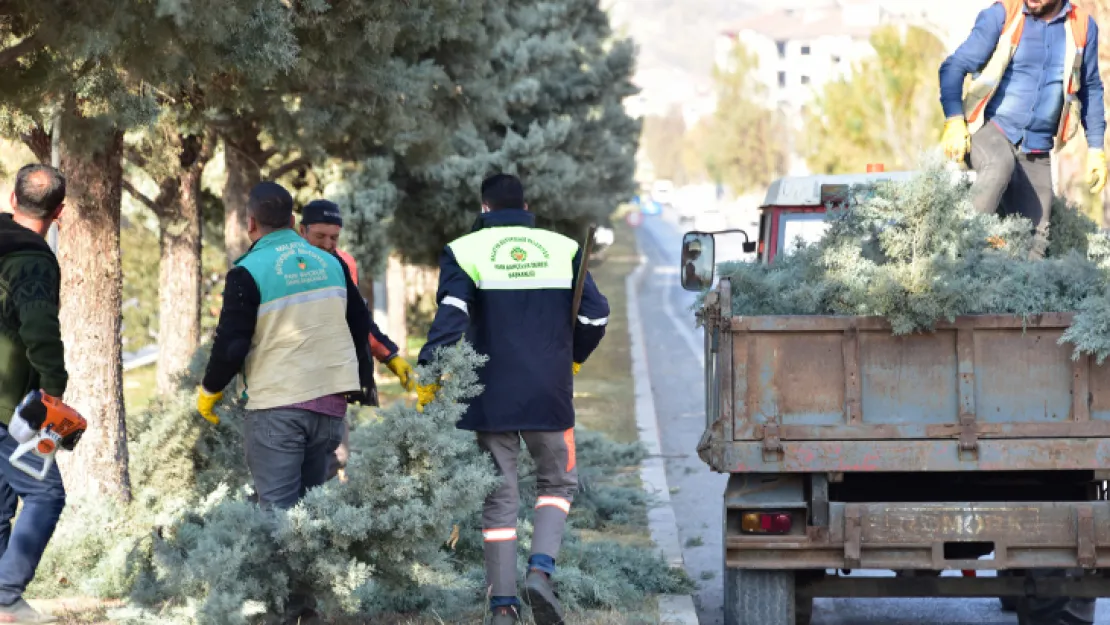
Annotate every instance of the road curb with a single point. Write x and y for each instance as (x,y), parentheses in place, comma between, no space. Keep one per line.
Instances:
(673,609)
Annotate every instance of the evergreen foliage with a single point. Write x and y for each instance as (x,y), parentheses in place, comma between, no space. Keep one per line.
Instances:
(544,103)
(916,253)
(192,548)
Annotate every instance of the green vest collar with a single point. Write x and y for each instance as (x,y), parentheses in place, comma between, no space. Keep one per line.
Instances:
(277,237)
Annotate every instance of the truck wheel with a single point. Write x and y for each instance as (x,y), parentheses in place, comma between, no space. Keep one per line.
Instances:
(759,597)
(1009,604)
(1055,611)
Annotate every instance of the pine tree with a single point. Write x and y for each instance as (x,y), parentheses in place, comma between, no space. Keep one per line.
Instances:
(550,111)
(104,68)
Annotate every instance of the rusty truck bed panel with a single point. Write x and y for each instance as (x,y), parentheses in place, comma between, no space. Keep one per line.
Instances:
(913,535)
(842,393)
(909,456)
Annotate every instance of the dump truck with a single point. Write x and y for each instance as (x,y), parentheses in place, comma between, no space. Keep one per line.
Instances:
(979,446)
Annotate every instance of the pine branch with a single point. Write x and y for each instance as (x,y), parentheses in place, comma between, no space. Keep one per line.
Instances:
(293,165)
(139,195)
(13,53)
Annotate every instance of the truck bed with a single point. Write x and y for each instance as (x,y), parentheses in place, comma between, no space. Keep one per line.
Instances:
(840,394)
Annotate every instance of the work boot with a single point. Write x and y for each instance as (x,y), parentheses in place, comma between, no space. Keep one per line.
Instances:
(540,595)
(22,612)
(505,615)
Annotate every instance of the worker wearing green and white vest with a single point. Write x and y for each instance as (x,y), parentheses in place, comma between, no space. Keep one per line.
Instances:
(508,288)
(1034,68)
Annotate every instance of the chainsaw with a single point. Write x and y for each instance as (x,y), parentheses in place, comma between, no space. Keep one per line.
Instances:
(41,424)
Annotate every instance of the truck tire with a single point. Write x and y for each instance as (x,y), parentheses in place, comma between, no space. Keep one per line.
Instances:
(759,597)
(1055,611)
(1008,604)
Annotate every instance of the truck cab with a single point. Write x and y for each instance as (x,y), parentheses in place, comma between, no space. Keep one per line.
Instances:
(795,207)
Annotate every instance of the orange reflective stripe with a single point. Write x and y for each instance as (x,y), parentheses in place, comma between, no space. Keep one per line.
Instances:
(572,460)
(499,535)
(1079,22)
(555,502)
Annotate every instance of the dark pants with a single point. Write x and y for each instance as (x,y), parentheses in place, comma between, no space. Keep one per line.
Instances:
(556,483)
(21,547)
(288,451)
(1011,182)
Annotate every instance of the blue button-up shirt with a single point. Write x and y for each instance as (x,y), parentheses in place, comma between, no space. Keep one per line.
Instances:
(1029,99)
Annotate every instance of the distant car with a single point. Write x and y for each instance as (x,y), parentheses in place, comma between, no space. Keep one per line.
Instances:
(687,211)
(662,191)
(710,221)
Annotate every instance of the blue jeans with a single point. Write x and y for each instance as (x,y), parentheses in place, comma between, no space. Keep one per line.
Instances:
(21,548)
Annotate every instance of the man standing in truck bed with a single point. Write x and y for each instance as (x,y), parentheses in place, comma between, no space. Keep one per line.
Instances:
(1035,68)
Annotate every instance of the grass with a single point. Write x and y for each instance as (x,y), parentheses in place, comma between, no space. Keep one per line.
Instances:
(138,388)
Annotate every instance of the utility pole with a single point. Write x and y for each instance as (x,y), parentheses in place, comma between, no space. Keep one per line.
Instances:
(55,162)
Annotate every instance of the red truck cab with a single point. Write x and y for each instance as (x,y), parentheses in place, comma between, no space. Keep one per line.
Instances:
(795,206)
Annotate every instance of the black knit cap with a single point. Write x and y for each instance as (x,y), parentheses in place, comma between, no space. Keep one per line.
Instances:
(321,212)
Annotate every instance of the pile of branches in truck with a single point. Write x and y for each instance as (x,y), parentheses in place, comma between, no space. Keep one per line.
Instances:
(917,253)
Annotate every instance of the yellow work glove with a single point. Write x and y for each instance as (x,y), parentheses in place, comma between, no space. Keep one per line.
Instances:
(956,139)
(206,402)
(403,370)
(425,393)
(576,367)
(1096,170)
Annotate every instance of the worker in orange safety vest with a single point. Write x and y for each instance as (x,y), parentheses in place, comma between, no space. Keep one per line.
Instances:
(321,224)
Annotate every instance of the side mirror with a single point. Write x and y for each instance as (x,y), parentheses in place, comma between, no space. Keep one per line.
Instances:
(696,269)
(749,247)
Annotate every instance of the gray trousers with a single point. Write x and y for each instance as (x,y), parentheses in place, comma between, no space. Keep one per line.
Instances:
(556,483)
(1012,182)
(288,451)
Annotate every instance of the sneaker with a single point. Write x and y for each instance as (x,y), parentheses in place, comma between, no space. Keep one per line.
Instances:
(505,616)
(22,612)
(540,595)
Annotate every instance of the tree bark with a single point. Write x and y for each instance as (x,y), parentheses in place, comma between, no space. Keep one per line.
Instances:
(179,283)
(90,317)
(243,157)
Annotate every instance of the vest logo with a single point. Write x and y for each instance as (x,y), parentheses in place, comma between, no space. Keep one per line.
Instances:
(301,264)
(518,254)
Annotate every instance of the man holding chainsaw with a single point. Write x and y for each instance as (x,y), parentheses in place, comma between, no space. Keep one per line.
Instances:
(31,358)
(321,224)
(508,287)
(1035,78)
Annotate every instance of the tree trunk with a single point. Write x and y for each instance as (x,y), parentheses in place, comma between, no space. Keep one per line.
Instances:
(179,284)
(90,316)
(243,158)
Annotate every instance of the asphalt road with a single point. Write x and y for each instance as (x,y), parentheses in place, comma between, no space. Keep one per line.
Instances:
(675,366)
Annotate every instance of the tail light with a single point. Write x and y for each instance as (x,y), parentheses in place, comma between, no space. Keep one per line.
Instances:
(874,168)
(766,522)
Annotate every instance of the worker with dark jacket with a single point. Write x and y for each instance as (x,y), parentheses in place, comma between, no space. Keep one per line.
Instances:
(32,357)
(295,325)
(508,288)
(321,224)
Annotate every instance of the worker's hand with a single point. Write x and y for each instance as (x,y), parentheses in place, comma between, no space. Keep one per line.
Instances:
(206,402)
(576,367)
(425,394)
(403,370)
(956,139)
(1096,170)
